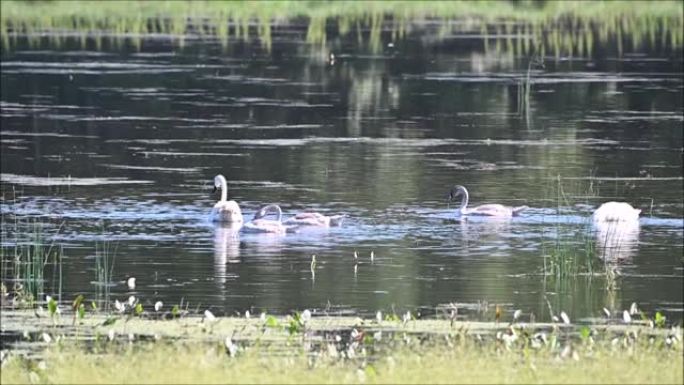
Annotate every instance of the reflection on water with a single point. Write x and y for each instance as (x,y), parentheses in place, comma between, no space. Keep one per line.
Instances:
(483,232)
(118,146)
(226,247)
(617,241)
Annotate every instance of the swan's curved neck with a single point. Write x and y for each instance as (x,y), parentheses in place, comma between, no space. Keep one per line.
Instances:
(279,211)
(464,201)
(272,207)
(224,188)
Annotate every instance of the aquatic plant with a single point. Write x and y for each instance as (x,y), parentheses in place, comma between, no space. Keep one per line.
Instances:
(26,257)
(105,255)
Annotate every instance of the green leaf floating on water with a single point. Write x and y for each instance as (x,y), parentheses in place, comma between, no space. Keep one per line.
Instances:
(77,302)
(659,319)
(585,332)
(52,306)
(110,321)
(271,322)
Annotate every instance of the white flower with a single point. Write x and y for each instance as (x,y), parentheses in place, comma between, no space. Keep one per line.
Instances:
(378,316)
(566,351)
(338,338)
(517,314)
(131,283)
(47,338)
(332,350)
(209,316)
(633,309)
(626,317)
(158,305)
(554,318)
(48,299)
(131,301)
(262,317)
(231,347)
(566,319)
(247,315)
(111,334)
(377,336)
(354,334)
(541,336)
(606,312)
(509,339)
(306,316)
(407,316)
(119,306)
(131,337)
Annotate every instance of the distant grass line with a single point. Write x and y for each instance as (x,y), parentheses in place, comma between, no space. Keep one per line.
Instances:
(652,20)
(109,14)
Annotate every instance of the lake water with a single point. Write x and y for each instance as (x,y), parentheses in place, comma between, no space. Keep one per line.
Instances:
(115,149)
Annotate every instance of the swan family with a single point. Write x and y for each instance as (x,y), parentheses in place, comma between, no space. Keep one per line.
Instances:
(228,212)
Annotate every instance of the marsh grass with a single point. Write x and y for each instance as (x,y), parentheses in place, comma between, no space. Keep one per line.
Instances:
(454,358)
(569,256)
(571,28)
(105,256)
(26,255)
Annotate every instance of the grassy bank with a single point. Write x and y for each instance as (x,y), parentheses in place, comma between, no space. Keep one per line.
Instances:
(469,363)
(534,22)
(145,346)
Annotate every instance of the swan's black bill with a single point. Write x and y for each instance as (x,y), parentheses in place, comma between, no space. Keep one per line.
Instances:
(214,190)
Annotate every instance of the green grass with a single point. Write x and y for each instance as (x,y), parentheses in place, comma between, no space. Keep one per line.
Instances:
(138,347)
(642,21)
(460,360)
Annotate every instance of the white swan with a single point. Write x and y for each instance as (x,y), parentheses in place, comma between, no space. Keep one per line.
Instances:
(492,210)
(314,219)
(224,210)
(260,225)
(616,212)
(616,240)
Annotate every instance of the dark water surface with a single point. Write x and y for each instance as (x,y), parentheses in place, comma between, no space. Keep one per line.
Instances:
(117,149)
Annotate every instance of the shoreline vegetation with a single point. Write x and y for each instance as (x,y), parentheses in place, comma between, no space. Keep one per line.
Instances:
(559,27)
(134,346)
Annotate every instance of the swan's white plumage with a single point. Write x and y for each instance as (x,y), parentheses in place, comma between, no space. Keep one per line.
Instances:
(261,225)
(491,210)
(315,219)
(224,210)
(616,212)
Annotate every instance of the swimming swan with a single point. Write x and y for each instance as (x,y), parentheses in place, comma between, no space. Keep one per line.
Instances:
(616,212)
(492,210)
(224,210)
(260,225)
(312,219)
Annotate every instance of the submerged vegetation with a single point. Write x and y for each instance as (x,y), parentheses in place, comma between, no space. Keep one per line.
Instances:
(560,27)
